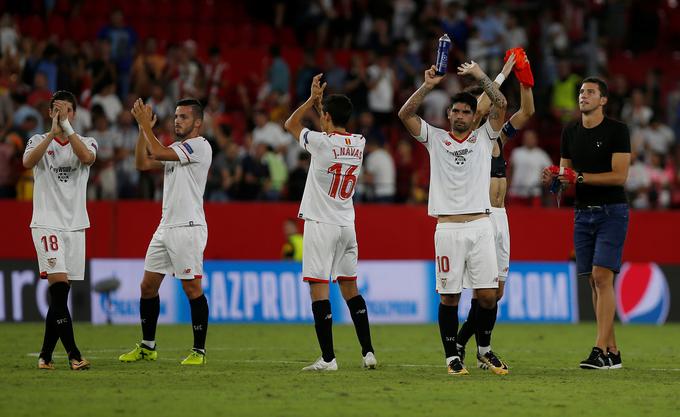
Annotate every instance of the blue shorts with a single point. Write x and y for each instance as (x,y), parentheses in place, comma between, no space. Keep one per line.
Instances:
(599,235)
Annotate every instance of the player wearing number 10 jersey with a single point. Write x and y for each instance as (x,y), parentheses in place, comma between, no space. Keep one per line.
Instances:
(330,247)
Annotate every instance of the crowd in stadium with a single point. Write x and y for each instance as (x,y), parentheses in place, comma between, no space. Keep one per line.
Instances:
(252,62)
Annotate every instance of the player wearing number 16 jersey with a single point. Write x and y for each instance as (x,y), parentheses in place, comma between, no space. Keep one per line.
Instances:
(330,247)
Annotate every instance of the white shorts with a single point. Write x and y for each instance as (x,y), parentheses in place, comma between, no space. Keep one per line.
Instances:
(177,251)
(499,220)
(329,251)
(465,256)
(60,252)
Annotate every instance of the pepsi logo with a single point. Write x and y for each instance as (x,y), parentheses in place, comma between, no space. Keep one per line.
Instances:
(642,294)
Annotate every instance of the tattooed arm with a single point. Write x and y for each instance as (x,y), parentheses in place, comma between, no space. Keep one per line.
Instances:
(497,114)
(407,113)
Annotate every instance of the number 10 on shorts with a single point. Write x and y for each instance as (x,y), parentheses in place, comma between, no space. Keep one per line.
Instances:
(442,264)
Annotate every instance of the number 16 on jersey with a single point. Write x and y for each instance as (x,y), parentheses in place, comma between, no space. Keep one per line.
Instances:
(344,183)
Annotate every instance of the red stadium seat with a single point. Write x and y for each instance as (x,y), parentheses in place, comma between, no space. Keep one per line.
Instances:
(226,36)
(206,35)
(184,11)
(264,35)
(32,26)
(182,32)
(56,25)
(98,9)
(62,7)
(206,11)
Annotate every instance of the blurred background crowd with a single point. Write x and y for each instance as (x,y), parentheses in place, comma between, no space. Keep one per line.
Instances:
(251,63)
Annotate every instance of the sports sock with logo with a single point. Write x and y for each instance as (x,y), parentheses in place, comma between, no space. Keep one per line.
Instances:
(62,317)
(149,309)
(468,328)
(199,321)
(51,336)
(359,313)
(323,323)
(486,319)
(448,327)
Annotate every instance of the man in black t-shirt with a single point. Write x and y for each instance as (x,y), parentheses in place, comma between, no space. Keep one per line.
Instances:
(595,155)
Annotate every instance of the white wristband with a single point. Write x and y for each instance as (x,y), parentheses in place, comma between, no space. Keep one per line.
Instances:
(499,79)
(66,127)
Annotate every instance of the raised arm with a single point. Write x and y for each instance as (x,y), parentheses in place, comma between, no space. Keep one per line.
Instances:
(498,101)
(483,101)
(407,113)
(142,160)
(144,117)
(294,122)
(32,157)
(84,155)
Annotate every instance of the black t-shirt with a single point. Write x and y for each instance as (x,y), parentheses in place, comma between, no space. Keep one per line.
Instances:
(590,151)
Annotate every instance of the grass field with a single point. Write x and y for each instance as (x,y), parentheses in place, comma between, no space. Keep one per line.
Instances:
(254,370)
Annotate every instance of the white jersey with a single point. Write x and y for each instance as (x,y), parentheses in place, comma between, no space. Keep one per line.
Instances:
(60,185)
(184,183)
(459,169)
(333,173)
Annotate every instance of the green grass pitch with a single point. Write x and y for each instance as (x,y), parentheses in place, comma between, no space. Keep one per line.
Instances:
(254,370)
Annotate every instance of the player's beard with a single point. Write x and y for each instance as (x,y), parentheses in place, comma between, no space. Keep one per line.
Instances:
(183,134)
(460,127)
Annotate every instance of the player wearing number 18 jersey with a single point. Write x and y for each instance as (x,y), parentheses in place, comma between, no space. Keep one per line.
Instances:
(330,247)
(61,162)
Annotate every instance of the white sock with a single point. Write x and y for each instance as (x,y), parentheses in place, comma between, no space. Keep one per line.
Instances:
(199,350)
(450,358)
(483,350)
(151,344)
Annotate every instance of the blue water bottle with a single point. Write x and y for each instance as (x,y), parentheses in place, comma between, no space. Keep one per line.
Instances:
(442,55)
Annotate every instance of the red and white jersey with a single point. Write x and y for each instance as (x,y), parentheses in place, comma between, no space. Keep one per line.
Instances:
(333,173)
(184,183)
(459,169)
(60,185)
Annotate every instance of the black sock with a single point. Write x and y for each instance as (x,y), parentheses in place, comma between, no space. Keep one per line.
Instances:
(62,318)
(486,319)
(51,336)
(470,326)
(448,327)
(323,323)
(199,320)
(359,313)
(149,309)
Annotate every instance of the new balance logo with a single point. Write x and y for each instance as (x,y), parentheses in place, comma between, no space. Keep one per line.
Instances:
(362,311)
(328,317)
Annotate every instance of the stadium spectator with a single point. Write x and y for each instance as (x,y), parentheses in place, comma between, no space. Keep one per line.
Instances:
(356,86)
(381,87)
(256,179)
(526,166)
(11,147)
(379,177)
(109,102)
(104,172)
(298,177)
(127,176)
(160,103)
(636,112)
(405,165)
(123,40)
(564,105)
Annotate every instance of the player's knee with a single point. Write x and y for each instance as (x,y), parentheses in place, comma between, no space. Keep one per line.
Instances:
(602,278)
(349,289)
(148,289)
(449,299)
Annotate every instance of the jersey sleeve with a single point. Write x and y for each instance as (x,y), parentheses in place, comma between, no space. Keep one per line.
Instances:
(565,153)
(191,152)
(621,142)
(91,145)
(34,141)
(312,140)
(493,134)
(425,135)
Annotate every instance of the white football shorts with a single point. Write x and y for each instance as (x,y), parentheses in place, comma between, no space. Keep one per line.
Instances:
(329,251)
(177,251)
(465,256)
(60,252)
(499,220)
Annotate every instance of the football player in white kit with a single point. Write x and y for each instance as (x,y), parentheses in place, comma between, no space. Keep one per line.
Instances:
(330,247)
(499,217)
(465,255)
(61,162)
(177,245)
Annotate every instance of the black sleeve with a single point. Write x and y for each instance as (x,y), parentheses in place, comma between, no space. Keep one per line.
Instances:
(621,142)
(564,146)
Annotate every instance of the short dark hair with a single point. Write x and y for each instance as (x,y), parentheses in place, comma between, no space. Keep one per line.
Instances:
(196,106)
(63,95)
(604,90)
(465,98)
(340,108)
